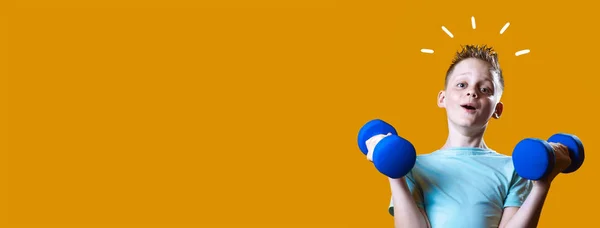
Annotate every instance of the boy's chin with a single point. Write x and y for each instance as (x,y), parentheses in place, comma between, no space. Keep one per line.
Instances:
(469,123)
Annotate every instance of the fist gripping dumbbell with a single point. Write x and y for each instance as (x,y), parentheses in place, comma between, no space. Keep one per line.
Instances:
(534,158)
(393,156)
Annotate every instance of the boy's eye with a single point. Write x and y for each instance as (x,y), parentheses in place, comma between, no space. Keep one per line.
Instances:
(485,90)
(461,84)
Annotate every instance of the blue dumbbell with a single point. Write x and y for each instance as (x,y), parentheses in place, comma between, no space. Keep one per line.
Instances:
(393,156)
(534,158)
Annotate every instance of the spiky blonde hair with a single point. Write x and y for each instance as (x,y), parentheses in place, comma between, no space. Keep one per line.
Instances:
(482,52)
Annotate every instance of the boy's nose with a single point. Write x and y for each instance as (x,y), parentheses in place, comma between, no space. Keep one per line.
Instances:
(469,94)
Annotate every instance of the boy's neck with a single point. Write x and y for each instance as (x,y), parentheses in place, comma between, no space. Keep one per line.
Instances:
(463,137)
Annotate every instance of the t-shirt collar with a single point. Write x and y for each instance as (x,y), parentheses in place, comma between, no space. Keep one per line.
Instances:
(464,151)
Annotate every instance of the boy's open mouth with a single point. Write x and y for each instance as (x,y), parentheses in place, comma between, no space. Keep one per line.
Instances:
(468,107)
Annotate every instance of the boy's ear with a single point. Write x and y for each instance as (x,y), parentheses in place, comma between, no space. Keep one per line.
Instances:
(441,99)
(498,111)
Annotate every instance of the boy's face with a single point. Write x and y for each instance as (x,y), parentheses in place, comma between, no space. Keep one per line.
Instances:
(472,94)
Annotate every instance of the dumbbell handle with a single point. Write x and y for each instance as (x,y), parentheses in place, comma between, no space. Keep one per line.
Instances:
(393,155)
(534,158)
(372,128)
(575,147)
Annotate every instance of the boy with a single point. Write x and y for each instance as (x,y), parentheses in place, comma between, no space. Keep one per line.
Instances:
(464,183)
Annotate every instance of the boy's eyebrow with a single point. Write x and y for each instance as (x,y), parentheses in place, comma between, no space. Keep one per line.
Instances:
(457,77)
(454,76)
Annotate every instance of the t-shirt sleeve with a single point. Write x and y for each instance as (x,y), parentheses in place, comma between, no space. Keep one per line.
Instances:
(518,191)
(415,190)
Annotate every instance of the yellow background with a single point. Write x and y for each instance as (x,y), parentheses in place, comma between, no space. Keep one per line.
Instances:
(245,113)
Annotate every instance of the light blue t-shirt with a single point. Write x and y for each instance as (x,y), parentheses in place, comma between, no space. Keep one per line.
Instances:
(465,187)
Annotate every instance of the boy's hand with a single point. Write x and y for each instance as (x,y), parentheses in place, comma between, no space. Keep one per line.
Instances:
(372,142)
(561,153)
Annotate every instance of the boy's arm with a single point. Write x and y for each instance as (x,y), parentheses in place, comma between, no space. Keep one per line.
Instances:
(528,215)
(406,212)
